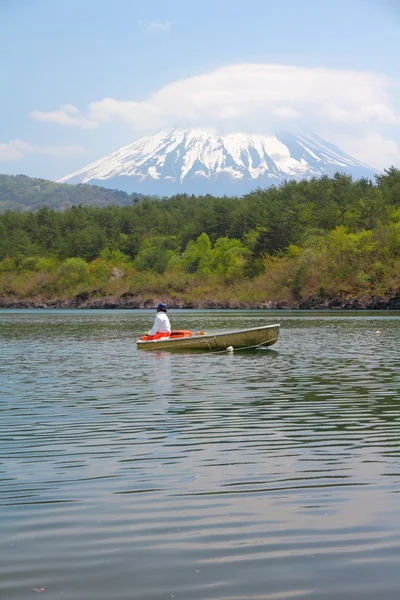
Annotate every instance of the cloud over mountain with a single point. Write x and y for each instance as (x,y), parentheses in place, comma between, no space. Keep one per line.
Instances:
(248,91)
(257,97)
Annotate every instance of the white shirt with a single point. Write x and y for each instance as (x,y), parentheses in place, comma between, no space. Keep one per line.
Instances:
(161,324)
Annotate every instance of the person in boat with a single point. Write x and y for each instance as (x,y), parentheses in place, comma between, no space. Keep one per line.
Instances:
(161,325)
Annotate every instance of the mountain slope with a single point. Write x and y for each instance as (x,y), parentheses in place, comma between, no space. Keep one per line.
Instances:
(22,193)
(202,161)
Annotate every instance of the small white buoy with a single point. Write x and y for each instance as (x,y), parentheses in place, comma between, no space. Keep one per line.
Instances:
(378,332)
(229,349)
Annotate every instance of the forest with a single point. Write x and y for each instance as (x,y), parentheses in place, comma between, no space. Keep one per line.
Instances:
(318,238)
(22,193)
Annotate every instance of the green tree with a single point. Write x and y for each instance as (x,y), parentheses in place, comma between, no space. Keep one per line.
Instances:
(229,258)
(73,272)
(155,254)
(198,256)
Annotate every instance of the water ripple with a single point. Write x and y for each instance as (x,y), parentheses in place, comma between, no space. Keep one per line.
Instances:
(264,475)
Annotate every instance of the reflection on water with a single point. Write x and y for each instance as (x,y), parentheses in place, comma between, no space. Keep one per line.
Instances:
(263,475)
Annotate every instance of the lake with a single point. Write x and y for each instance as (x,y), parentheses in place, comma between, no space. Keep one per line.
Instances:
(273,474)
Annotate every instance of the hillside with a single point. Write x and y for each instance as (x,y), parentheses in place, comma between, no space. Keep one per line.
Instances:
(22,193)
(317,242)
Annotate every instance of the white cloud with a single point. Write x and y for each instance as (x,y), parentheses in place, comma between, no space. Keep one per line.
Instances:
(372,149)
(16,150)
(371,113)
(67,114)
(258,94)
(155,26)
(261,97)
(255,94)
(285,112)
(8,153)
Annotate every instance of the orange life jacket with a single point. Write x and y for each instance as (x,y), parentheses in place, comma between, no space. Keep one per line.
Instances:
(156,336)
(177,333)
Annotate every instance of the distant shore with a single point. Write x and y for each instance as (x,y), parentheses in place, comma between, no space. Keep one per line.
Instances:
(130,301)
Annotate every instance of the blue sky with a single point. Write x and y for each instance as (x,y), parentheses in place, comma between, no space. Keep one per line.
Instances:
(82,78)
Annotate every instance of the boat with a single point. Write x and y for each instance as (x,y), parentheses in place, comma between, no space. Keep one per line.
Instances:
(266,335)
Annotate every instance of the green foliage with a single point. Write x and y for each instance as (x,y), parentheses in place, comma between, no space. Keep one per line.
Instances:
(21,193)
(115,257)
(7,265)
(229,258)
(292,251)
(47,264)
(100,271)
(73,272)
(301,237)
(29,264)
(198,256)
(155,254)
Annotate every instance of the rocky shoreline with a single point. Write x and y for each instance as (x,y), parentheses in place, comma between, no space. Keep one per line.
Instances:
(130,301)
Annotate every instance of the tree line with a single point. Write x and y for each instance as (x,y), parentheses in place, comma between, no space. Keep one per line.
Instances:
(309,233)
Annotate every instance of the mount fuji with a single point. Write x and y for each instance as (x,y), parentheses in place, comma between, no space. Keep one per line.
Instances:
(202,161)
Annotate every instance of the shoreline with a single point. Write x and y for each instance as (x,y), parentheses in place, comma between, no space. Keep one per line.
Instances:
(130,301)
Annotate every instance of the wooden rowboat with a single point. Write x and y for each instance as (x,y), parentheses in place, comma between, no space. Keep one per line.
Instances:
(224,340)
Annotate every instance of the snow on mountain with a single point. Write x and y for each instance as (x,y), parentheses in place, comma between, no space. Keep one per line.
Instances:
(203,161)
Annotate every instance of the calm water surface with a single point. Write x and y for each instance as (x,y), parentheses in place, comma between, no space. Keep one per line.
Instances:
(142,475)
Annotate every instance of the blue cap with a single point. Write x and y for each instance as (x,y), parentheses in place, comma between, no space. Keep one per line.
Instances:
(162,306)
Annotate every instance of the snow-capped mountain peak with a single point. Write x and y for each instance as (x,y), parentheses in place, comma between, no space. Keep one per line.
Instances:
(205,161)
